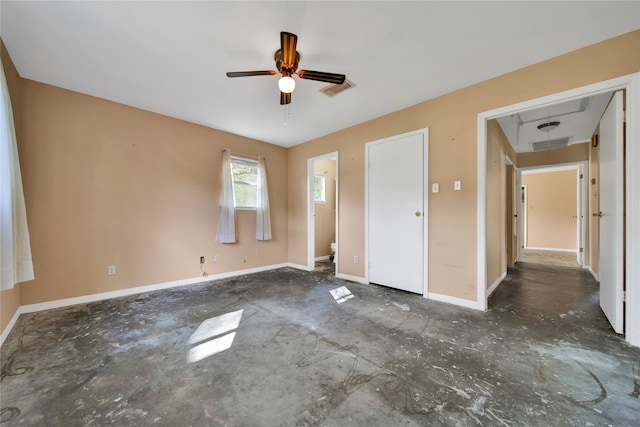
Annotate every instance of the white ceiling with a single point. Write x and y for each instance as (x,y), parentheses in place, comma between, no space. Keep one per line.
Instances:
(578,120)
(171,57)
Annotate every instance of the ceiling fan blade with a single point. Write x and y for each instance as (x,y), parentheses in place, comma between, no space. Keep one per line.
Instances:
(321,76)
(251,73)
(285,98)
(288,43)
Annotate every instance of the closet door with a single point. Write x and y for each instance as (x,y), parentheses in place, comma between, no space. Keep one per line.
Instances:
(611,215)
(396,212)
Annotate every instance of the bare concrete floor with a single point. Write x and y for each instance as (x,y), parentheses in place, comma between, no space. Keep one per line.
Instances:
(566,259)
(543,355)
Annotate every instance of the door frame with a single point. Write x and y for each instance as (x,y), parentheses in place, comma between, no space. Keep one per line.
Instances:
(581,205)
(425,237)
(311,224)
(631,84)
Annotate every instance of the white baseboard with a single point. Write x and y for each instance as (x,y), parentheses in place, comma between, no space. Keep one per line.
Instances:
(535,248)
(593,273)
(31,308)
(141,289)
(9,326)
(455,301)
(298,266)
(351,278)
(495,284)
(322,258)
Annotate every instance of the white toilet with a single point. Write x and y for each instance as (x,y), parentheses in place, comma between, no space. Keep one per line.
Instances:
(333,252)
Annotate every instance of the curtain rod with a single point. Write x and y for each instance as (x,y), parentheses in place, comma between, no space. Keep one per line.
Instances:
(253,156)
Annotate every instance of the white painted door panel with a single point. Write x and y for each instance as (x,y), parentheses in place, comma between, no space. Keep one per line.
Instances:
(611,206)
(395,211)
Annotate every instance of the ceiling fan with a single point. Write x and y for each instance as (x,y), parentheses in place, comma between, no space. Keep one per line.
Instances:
(287,59)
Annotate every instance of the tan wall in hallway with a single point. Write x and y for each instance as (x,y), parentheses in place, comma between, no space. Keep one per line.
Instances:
(498,149)
(570,154)
(106,184)
(325,213)
(452,123)
(551,209)
(10,299)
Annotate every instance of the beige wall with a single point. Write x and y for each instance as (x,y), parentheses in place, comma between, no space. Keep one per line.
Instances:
(551,203)
(452,123)
(570,154)
(325,213)
(498,149)
(106,184)
(10,299)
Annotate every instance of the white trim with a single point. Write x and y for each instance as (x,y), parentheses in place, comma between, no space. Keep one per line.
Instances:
(299,266)
(10,325)
(630,83)
(455,301)
(495,284)
(351,278)
(322,258)
(593,273)
(555,167)
(31,308)
(520,223)
(537,248)
(481,223)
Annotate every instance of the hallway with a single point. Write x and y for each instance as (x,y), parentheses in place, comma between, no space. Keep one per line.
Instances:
(304,352)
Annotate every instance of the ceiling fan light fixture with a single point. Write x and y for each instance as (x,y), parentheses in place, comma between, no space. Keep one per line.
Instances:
(286,84)
(548,126)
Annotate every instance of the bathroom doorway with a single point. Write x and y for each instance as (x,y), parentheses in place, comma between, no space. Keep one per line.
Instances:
(323,212)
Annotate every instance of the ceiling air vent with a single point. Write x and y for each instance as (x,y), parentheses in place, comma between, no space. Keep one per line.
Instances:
(549,145)
(333,89)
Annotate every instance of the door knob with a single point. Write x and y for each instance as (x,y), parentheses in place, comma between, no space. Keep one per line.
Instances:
(599,214)
(417,213)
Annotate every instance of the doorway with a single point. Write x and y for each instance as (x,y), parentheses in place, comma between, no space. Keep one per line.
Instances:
(630,243)
(322,224)
(552,214)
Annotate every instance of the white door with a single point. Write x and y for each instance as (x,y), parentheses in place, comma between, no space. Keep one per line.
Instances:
(396,209)
(611,207)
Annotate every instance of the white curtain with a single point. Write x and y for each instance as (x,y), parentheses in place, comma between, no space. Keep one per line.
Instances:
(263,214)
(15,250)
(227,225)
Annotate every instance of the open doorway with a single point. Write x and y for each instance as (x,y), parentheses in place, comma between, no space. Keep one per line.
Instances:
(323,212)
(553,215)
(626,244)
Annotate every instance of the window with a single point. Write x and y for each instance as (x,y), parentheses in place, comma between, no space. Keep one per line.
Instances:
(318,188)
(245,182)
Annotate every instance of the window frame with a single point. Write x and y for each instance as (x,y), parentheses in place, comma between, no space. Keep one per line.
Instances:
(248,162)
(323,187)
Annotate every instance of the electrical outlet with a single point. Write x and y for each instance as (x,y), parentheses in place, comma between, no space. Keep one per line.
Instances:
(216,258)
(201,260)
(457,185)
(111,270)
(356,259)
(435,187)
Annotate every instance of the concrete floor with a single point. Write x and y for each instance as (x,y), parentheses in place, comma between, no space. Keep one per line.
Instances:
(543,355)
(566,259)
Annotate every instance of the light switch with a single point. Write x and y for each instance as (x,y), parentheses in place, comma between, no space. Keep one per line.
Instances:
(435,187)
(457,185)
